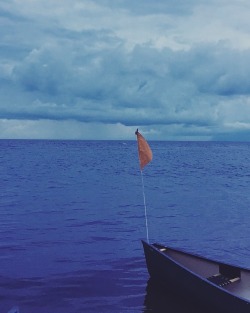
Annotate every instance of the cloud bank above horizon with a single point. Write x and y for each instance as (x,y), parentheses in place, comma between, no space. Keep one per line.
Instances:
(100,69)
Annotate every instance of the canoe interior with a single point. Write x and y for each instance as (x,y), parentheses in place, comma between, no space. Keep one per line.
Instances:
(234,279)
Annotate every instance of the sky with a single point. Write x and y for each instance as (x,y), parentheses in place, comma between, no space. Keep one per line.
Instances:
(100,69)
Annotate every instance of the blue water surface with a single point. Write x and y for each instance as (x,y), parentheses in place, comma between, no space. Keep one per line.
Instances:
(72,220)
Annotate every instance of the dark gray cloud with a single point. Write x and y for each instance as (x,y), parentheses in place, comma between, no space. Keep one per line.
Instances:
(143,78)
(78,65)
(216,69)
(143,86)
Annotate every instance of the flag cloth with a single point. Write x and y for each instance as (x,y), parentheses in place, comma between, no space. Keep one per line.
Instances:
(144,151)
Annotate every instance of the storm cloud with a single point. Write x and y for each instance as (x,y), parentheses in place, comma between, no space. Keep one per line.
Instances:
(100,69)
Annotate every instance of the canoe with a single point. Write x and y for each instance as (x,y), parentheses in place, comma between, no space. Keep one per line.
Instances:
(163,300)
(223,287)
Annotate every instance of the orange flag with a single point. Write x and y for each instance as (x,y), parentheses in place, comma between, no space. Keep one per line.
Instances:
(144,151)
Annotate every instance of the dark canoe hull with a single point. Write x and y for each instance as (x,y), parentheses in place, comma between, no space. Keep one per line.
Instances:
(168,272)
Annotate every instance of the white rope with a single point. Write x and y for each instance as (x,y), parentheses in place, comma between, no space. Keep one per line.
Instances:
(145,207)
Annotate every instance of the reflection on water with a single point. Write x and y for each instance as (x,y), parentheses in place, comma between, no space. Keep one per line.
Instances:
(15,309)
(119,286)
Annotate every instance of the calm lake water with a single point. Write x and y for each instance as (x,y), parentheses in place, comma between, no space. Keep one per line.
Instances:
(72,220)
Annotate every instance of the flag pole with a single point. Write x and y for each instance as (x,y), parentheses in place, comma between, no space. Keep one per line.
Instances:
(145,206)
(145,156)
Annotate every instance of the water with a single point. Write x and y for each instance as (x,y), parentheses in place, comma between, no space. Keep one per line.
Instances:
(72,217)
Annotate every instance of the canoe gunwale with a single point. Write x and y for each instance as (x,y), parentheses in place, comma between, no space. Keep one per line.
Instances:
(164,252)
